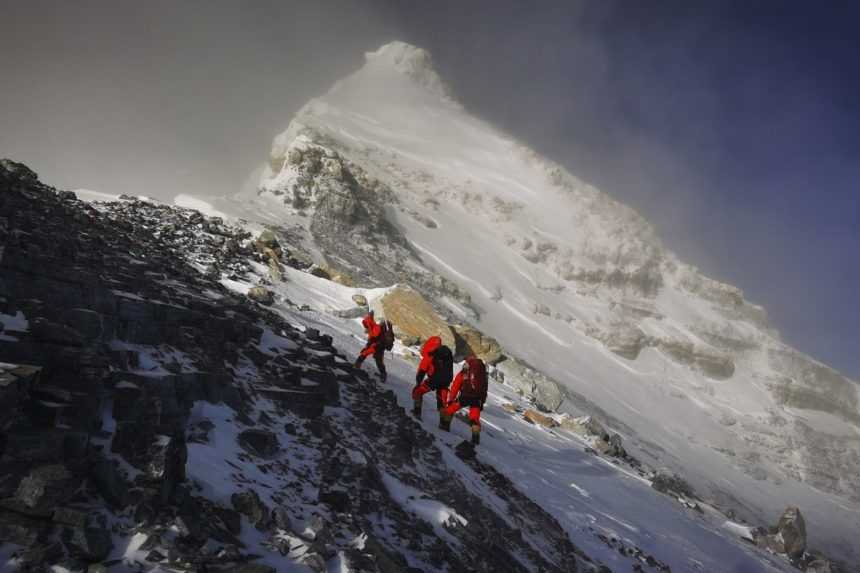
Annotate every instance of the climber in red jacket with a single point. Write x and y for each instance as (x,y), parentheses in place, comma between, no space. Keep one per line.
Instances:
(434,373)
(374,346)
(468,390)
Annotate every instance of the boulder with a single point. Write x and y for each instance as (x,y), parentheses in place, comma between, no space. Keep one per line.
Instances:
(627,341)
(44,330)
(320,271)
(167,458)
(267,244)
(262,295)
(359,299)
(109,482)
(791,528)
(42,489)
(21,529)
(710,363)
(593,426)
(413,316)
(475,342)
(573,424)
(611,447)
(672,484)
(88,538)
(535,417)
(126,400)
(87,322)
(281,517)
(250,505)
(261,443)
(820,565)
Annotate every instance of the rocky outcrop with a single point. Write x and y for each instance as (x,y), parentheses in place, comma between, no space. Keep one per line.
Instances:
(788,536)
(628,340)
(535,417)
(413,318)
(471,341)
(623,338)
(262,295)
(810,385)
(709,363)
(672,484)
(546,393)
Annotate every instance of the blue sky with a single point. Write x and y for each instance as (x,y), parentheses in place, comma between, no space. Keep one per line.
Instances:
(733,126)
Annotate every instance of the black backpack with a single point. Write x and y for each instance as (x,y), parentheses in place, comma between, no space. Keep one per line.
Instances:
(443,368)
(387,336)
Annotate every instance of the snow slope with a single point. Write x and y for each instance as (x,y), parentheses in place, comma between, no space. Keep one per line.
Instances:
(579,286)
(589,496)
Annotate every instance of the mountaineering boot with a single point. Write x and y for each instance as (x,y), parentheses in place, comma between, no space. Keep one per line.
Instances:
(416,409)
(445,422)
(476,434)
(383,375)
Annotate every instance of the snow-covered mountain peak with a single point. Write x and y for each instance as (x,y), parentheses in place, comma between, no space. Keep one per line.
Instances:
(411,61)
(391,181)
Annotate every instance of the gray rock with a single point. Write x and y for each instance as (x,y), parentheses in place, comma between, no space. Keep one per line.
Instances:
(611,447)
(93,542)
(672,484)
(109,482)
(262,443)
(820,565)
(262,295)
(87,322)
(44,330)
(594,427)
(42,489)
(359,299)
(250,505)
(20,529)
(126,400)
(281,517)
(792,529)
(167,459)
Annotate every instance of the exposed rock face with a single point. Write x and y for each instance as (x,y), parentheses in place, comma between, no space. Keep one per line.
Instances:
(539,419)
(628,340)
(546,393)
(813,386)
(413,317)
(251,506)
(259,442)
(710,363)
(787,537)
(611,447)
(112,408)
(672,484)
(475,342)
(261,295)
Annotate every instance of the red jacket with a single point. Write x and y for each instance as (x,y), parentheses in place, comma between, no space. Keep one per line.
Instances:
(471,383)
(374,330)
(426,365)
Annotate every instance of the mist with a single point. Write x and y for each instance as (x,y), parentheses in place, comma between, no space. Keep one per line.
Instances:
(734,129)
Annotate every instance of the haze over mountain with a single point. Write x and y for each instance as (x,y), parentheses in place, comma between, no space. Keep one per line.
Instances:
(569,281)
(734,138)
(177,388)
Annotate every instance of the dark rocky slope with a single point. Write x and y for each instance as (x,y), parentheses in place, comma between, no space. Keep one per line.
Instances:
(117,339)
